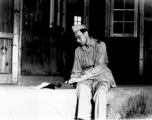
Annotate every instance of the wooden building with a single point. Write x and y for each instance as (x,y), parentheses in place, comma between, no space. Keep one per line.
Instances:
(36,40)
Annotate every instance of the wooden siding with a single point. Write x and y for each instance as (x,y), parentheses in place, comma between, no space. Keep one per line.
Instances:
(6,16)
(41,45)
(6,36)
(5,56)
(46,51)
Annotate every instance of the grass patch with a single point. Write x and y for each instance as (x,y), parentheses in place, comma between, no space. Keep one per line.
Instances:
(136,109)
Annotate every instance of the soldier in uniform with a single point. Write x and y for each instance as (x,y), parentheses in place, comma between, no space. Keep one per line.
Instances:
(92,75)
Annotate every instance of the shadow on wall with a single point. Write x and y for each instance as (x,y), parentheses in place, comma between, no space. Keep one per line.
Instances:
(123,56)
(68,45)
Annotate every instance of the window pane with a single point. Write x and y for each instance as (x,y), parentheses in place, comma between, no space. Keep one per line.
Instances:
(118,28)
(118,15)
(129,4)
(118,4)
(79,23)
(129,28)
(129,15)
(79,19)
(75,23)
(75,18)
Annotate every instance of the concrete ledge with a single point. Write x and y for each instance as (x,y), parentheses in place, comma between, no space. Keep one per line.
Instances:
(124,102)
(130,102)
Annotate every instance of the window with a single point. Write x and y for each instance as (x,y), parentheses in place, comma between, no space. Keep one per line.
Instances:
(77,20)
(58,13)
(64,13)
(123,22)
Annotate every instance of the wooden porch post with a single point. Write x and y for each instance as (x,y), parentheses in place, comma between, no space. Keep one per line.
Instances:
(86,13)
(107,18)
(141,36)
(16,40)
(20,36)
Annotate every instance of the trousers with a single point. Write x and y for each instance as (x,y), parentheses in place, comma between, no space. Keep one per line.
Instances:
(92,90)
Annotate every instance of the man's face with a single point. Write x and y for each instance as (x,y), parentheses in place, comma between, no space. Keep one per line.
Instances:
(80,37)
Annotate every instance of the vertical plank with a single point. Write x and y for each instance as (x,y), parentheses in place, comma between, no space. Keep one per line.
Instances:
(59,5)
(58,18)
(16,17)
(59,12)
(5,15)
(8,56)
(1,14)
(3,55)
(136,18)
(111,17)
(20,36)
(64,15)
(15,41)
(88,8)
(51,13)
(107,16)
(86,13)
(1,44)
(141,36)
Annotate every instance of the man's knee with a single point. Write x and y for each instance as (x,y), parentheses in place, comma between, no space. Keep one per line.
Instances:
(83,84)
(102,90)
(103,87)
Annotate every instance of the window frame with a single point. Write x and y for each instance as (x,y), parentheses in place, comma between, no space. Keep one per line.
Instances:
(112,34)
(77,21)
(58,13)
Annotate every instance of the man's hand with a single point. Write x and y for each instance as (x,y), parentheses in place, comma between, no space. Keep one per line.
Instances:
(74,80)
(66,82)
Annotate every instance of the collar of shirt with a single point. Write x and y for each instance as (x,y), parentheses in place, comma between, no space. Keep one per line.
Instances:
(91,44)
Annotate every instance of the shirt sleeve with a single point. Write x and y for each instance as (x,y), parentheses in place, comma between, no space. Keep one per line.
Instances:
(77,69)
(100,62)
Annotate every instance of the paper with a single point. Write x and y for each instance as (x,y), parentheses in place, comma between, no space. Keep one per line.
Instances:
(41,85)
(54,85)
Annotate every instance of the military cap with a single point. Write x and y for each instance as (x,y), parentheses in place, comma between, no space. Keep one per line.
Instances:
(76,28)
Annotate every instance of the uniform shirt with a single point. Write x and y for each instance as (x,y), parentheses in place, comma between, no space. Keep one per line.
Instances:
(91,62)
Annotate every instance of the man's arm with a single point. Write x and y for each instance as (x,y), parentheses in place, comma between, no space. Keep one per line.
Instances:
(100,63)
(77,69)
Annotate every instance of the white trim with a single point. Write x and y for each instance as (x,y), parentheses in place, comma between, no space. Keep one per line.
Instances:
(111,18)
(136,18)
(51,13)
(112,34)
(122,35)
(6,35)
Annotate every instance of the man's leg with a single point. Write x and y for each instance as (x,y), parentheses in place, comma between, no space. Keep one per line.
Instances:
(100,99)
(84,93)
